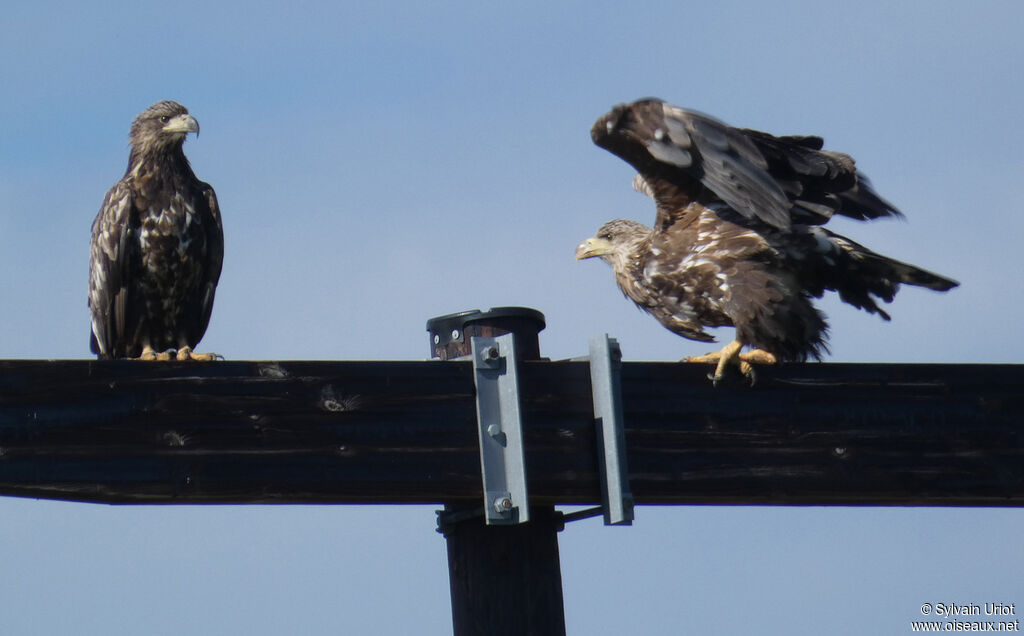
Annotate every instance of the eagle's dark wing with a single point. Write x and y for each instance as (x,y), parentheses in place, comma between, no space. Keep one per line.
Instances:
(685,157)
(727,163)
(199,317)
(113,265)
(819,182)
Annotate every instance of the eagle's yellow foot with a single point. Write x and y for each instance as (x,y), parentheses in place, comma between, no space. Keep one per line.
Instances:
(730,355)
(149,354)
(186,353)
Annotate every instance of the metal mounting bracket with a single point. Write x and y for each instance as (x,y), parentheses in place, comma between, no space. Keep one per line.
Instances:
(502,460)
(605,380)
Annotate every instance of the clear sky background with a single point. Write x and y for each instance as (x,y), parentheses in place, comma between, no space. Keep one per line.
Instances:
(378,166)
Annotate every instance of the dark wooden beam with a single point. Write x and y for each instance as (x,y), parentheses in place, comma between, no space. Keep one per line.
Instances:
(404,432)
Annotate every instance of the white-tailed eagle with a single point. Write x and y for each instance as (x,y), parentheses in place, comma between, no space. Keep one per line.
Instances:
(157,247)
(738,237)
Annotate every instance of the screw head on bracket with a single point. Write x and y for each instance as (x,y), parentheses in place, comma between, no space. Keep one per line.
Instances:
(503,504)
(497,434)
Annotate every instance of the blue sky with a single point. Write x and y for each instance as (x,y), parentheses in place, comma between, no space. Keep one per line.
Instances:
(378,166)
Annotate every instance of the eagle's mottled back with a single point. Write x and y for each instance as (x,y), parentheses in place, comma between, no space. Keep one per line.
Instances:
(157,246)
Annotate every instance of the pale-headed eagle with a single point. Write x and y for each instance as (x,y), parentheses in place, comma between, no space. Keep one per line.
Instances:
(157,247)
(738,237)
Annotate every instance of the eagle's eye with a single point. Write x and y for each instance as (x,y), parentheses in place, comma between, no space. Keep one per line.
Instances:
(164,119)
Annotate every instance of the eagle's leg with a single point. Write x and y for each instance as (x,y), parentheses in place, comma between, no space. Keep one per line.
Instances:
(186,353)
(730,354)
(750,358)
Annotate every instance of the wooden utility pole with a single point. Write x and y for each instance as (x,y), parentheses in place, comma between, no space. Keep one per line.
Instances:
(505,579)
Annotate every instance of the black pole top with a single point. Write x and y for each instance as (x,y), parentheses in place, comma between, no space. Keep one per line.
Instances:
(450,334)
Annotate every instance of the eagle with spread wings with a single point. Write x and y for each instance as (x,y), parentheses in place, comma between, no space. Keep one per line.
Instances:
(157,247)
(738,238)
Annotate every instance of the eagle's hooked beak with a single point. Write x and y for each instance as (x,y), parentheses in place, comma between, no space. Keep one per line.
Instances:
(592,247)
(182,124)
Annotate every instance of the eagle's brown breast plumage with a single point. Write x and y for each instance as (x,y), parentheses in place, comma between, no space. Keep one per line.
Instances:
(157,245)
(738,237)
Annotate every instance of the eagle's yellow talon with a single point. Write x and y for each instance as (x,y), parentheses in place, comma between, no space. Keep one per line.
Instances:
(186,353)
(730,355)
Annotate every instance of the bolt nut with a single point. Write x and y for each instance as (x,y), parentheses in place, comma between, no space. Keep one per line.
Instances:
(494,432)
(503,504)
(455,334)
(491,353)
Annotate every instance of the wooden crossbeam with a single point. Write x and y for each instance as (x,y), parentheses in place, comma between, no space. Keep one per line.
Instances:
(404,432)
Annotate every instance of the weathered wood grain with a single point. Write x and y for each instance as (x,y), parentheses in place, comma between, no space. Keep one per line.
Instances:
(404,432)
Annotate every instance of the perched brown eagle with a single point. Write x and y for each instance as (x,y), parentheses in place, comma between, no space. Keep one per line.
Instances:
(738,237)
(157,247)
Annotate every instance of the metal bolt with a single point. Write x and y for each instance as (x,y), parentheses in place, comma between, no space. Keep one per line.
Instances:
(455,334)
(498,435)
(490,353)
(503,504)
(437,339)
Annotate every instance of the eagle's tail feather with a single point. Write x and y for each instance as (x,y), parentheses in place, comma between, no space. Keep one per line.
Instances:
(862,277)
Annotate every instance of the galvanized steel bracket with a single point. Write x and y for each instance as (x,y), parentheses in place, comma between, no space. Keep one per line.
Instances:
(605,381)
(502,458)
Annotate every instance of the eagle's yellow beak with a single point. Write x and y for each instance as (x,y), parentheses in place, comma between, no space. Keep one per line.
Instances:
(592,247)
(182,124)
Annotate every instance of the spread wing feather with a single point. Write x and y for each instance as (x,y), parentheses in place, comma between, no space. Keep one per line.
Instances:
(729,164)
(778,181)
